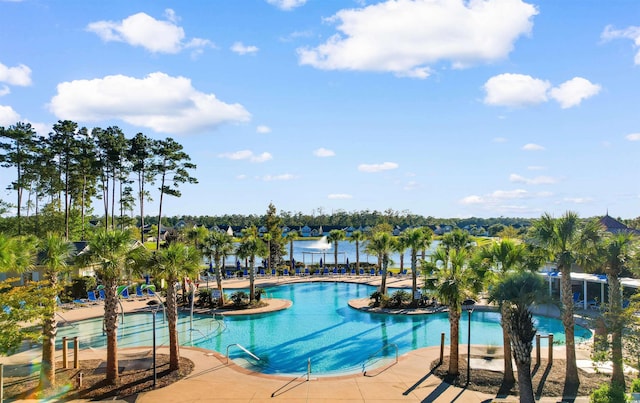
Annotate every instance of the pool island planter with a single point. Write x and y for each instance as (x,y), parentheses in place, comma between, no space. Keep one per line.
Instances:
(362,304)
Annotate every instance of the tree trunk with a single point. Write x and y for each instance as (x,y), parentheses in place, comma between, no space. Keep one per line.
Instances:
(252,285)
(454,342)
(358,257)
(160,212)
(219,281)
(383,283)
(111,327)
(414,275)
(571,368)
(172,319)
(615,322)
(525,386)
(48,365)
(506,345)
(141,200)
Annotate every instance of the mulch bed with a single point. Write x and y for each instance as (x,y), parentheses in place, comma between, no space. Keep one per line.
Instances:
(548,380)
(136,376)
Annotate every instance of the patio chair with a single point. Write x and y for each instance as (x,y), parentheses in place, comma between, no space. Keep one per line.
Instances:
(298,271)
(306,271)
(124,294)
(361,272)
(261,273)
(101,294)
(273,272)
(285,272)
(372,272)
(576,300)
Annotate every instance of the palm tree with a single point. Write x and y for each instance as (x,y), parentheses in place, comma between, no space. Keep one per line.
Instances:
(216,246)
(335,236)
(382,245)
(417,239)
(197,234)
(251,246)
(451,281)
(290,237)
(505,256)
(55,253)
(515,293)
(566,241)
(113,253)
(173,263)
(616,254)
(357,237)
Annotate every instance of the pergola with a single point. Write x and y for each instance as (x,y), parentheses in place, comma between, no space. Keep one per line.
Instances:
(587,278)
(323,256)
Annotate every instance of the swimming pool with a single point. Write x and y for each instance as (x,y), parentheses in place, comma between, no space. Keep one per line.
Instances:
(319,326)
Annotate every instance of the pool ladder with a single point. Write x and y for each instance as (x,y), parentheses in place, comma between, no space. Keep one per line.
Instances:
(381,349)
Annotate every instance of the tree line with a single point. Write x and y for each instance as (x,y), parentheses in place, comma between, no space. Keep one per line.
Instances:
(64,171)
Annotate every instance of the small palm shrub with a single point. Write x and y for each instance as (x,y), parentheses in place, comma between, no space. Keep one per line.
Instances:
(608,394)
(238,298)
(399,298)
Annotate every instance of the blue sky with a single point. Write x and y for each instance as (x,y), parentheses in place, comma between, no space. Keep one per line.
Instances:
(445,108)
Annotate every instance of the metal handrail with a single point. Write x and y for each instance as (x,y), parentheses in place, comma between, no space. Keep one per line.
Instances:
(395,346)
(243,349)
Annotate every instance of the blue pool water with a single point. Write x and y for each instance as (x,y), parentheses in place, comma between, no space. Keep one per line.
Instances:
(319,326)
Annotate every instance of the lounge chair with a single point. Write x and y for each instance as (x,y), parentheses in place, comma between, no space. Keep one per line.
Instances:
(91,297)
(335,271)
(140,294)
(101,294)
(343,271)
(273,272)
(353,271)
(298,271)
(124,294)
(577,302)
(372,272)
(361,272)
(285,272)
(261,273)
(63,305)
(306,271)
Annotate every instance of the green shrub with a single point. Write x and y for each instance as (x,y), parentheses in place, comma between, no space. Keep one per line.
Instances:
(635,386)
(608,394)
(81,286)
(238,297)
(400,297)
(376,296)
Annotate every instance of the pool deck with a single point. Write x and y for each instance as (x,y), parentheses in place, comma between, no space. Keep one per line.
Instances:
(213,379)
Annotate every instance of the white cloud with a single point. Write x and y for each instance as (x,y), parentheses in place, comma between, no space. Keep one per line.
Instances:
(408,37)
(339,196)
(241,176)
(632,33)
(412,185)
(4,90)
(247,155)
(515,90)
(532,147)
(282,177)
(8,116)
(385,166)
(19,75)
(241,49)
(323,152)
(578,200)
(143,30)
(633,137)
(287,4)
(501,196)
(262,129)
(572,92)
(158,101)
(538,180)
